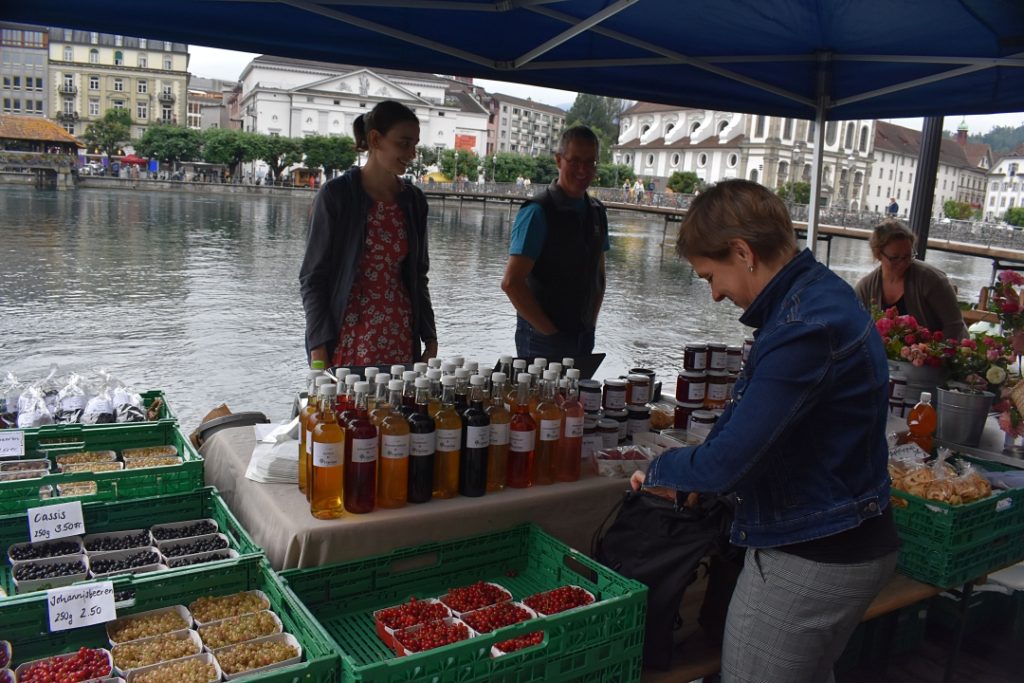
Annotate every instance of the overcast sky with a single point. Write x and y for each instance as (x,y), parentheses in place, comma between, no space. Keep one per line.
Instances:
(211,62)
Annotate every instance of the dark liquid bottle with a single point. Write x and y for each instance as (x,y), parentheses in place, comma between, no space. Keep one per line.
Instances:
(476,441)
(408,393)
(461,401)
(422,444)
(360,457)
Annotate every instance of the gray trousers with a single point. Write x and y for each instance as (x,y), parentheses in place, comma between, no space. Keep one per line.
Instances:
(790,618)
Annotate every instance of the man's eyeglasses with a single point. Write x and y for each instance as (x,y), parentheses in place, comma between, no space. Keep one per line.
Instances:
(587,164)
(900,259)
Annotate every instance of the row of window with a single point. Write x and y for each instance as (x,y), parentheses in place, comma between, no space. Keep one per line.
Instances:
(118,84)
(141,60)
(31,83)
(17,58)
(14,37)
(94,38)
(13,105)
(1011,187)
(1002,201)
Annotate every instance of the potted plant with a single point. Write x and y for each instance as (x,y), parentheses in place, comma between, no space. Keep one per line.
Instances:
(914,352)
(977,375)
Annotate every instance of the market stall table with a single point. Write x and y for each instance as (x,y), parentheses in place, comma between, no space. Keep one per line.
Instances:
(277,515)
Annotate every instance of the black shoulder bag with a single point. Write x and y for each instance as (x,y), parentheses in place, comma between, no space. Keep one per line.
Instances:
(661,544)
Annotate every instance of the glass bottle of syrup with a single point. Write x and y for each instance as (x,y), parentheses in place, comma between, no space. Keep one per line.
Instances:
(568,363)
(512,388)
(434,399)
(497,452)
(570,444)
(325,484)
(316,372)
(346,401)
(309,418)
(522,438)
(380,402)
(549,428)
(541,363)
(462,376)
(396,371)
(393,487)
(434,363)
(449,436)
(422,445)
(420,368)
(360,456)
(536,379)
(476,440)
(408,392)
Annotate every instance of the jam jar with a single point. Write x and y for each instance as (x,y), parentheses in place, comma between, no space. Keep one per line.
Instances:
(691,386)
(718,389)
(695,357)
(717,356)
(638,420)
(638,389)
(701,422)
(733,358)
(683,412)
(609,431)
(590,395)
(614,394)
(621,418)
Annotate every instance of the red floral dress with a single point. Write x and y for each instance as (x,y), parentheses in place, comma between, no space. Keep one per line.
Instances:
(377,329)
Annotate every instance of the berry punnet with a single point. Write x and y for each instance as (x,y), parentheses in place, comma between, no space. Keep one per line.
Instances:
(139,653)
(432,634)
(83,665)
(412,613)
(145,625)
(238,629)
(247,656)
(475,596)
(519,643)
(559,600)
(208,608)
(496,616)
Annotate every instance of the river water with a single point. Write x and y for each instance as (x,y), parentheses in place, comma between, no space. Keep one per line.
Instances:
(197,294)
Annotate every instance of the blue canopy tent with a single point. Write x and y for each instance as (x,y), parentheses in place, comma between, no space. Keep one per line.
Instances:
(813,59)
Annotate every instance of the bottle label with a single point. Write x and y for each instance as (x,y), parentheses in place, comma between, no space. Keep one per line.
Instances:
(449,440)
(478,437)
(695,392)
(591,444)
(395,446)
(591,401)
(550,430)
(573,427)
(499,434)
(523,442)
(327,454)
(422,444)
(718,392)
(718,360)
(639,395)
(614,398)
(364,450)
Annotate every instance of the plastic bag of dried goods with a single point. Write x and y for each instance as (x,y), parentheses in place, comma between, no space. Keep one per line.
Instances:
(10,390)
(50,387)
(32,410)
(71,401)
(99,409)
(128,405)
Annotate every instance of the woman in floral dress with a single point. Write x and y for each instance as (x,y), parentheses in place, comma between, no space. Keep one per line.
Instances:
(364,276)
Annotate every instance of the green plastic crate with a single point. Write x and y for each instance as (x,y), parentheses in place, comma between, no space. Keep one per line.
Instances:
(600,642)
(25,623)
(956,526)
(18,496)
(102,517)
(948,567)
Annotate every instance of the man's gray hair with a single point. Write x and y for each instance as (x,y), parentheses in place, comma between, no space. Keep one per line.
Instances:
(581,133)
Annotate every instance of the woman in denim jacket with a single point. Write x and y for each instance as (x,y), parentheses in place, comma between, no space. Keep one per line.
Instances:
(364,276)
(802,444)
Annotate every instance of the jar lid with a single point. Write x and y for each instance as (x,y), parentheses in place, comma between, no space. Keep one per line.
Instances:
(615,414)
(705,415)
(605,423)
(637,378)
(589,422)
(589,385)
(716,345)
(639,411)
(696,347)
(718,373)
(693,374)
(733,349)
(615,383)
(691,406)
(897,377)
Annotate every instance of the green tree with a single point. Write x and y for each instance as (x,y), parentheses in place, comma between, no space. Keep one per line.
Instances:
(796,191)
(505,167)
(425,157)
(599,113)
(111,132)
(455,163)
(957,210)
(329,152)
(545,170)
(231,147)
(171,143)
(684,182)
(280,152)
(612,175)
(1015,216)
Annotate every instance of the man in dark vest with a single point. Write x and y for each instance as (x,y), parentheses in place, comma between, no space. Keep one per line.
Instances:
(555,271)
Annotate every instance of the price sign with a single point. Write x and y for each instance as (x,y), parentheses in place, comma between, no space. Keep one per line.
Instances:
(12,443)
(55,521)
(82,605)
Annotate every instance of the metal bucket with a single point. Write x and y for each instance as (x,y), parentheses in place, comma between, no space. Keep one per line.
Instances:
(962,416)
(924,378)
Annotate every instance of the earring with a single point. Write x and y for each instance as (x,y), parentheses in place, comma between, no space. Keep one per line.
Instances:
(750,269)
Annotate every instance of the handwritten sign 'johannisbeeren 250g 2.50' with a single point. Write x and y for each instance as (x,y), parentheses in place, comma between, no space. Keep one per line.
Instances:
(81,605)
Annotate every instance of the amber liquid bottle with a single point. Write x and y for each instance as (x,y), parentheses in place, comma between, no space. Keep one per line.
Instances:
(522,438)
(476,441)
(360,457)
(311,420)
(497,452)
(449,437)
(393,487)
(379,406)
(312,405)
(434,396)
(570,444)
(548,416)
(345,405)
(422,445)
(325,484)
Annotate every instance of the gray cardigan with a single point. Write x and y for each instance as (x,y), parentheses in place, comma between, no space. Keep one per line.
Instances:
(334,246)
(927,294)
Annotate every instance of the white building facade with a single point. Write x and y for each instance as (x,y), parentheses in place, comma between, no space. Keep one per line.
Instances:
(298,98)
(522,126)
(1005,185)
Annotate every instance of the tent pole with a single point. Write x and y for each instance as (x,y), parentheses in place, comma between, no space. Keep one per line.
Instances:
(819,148)
(924,183)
